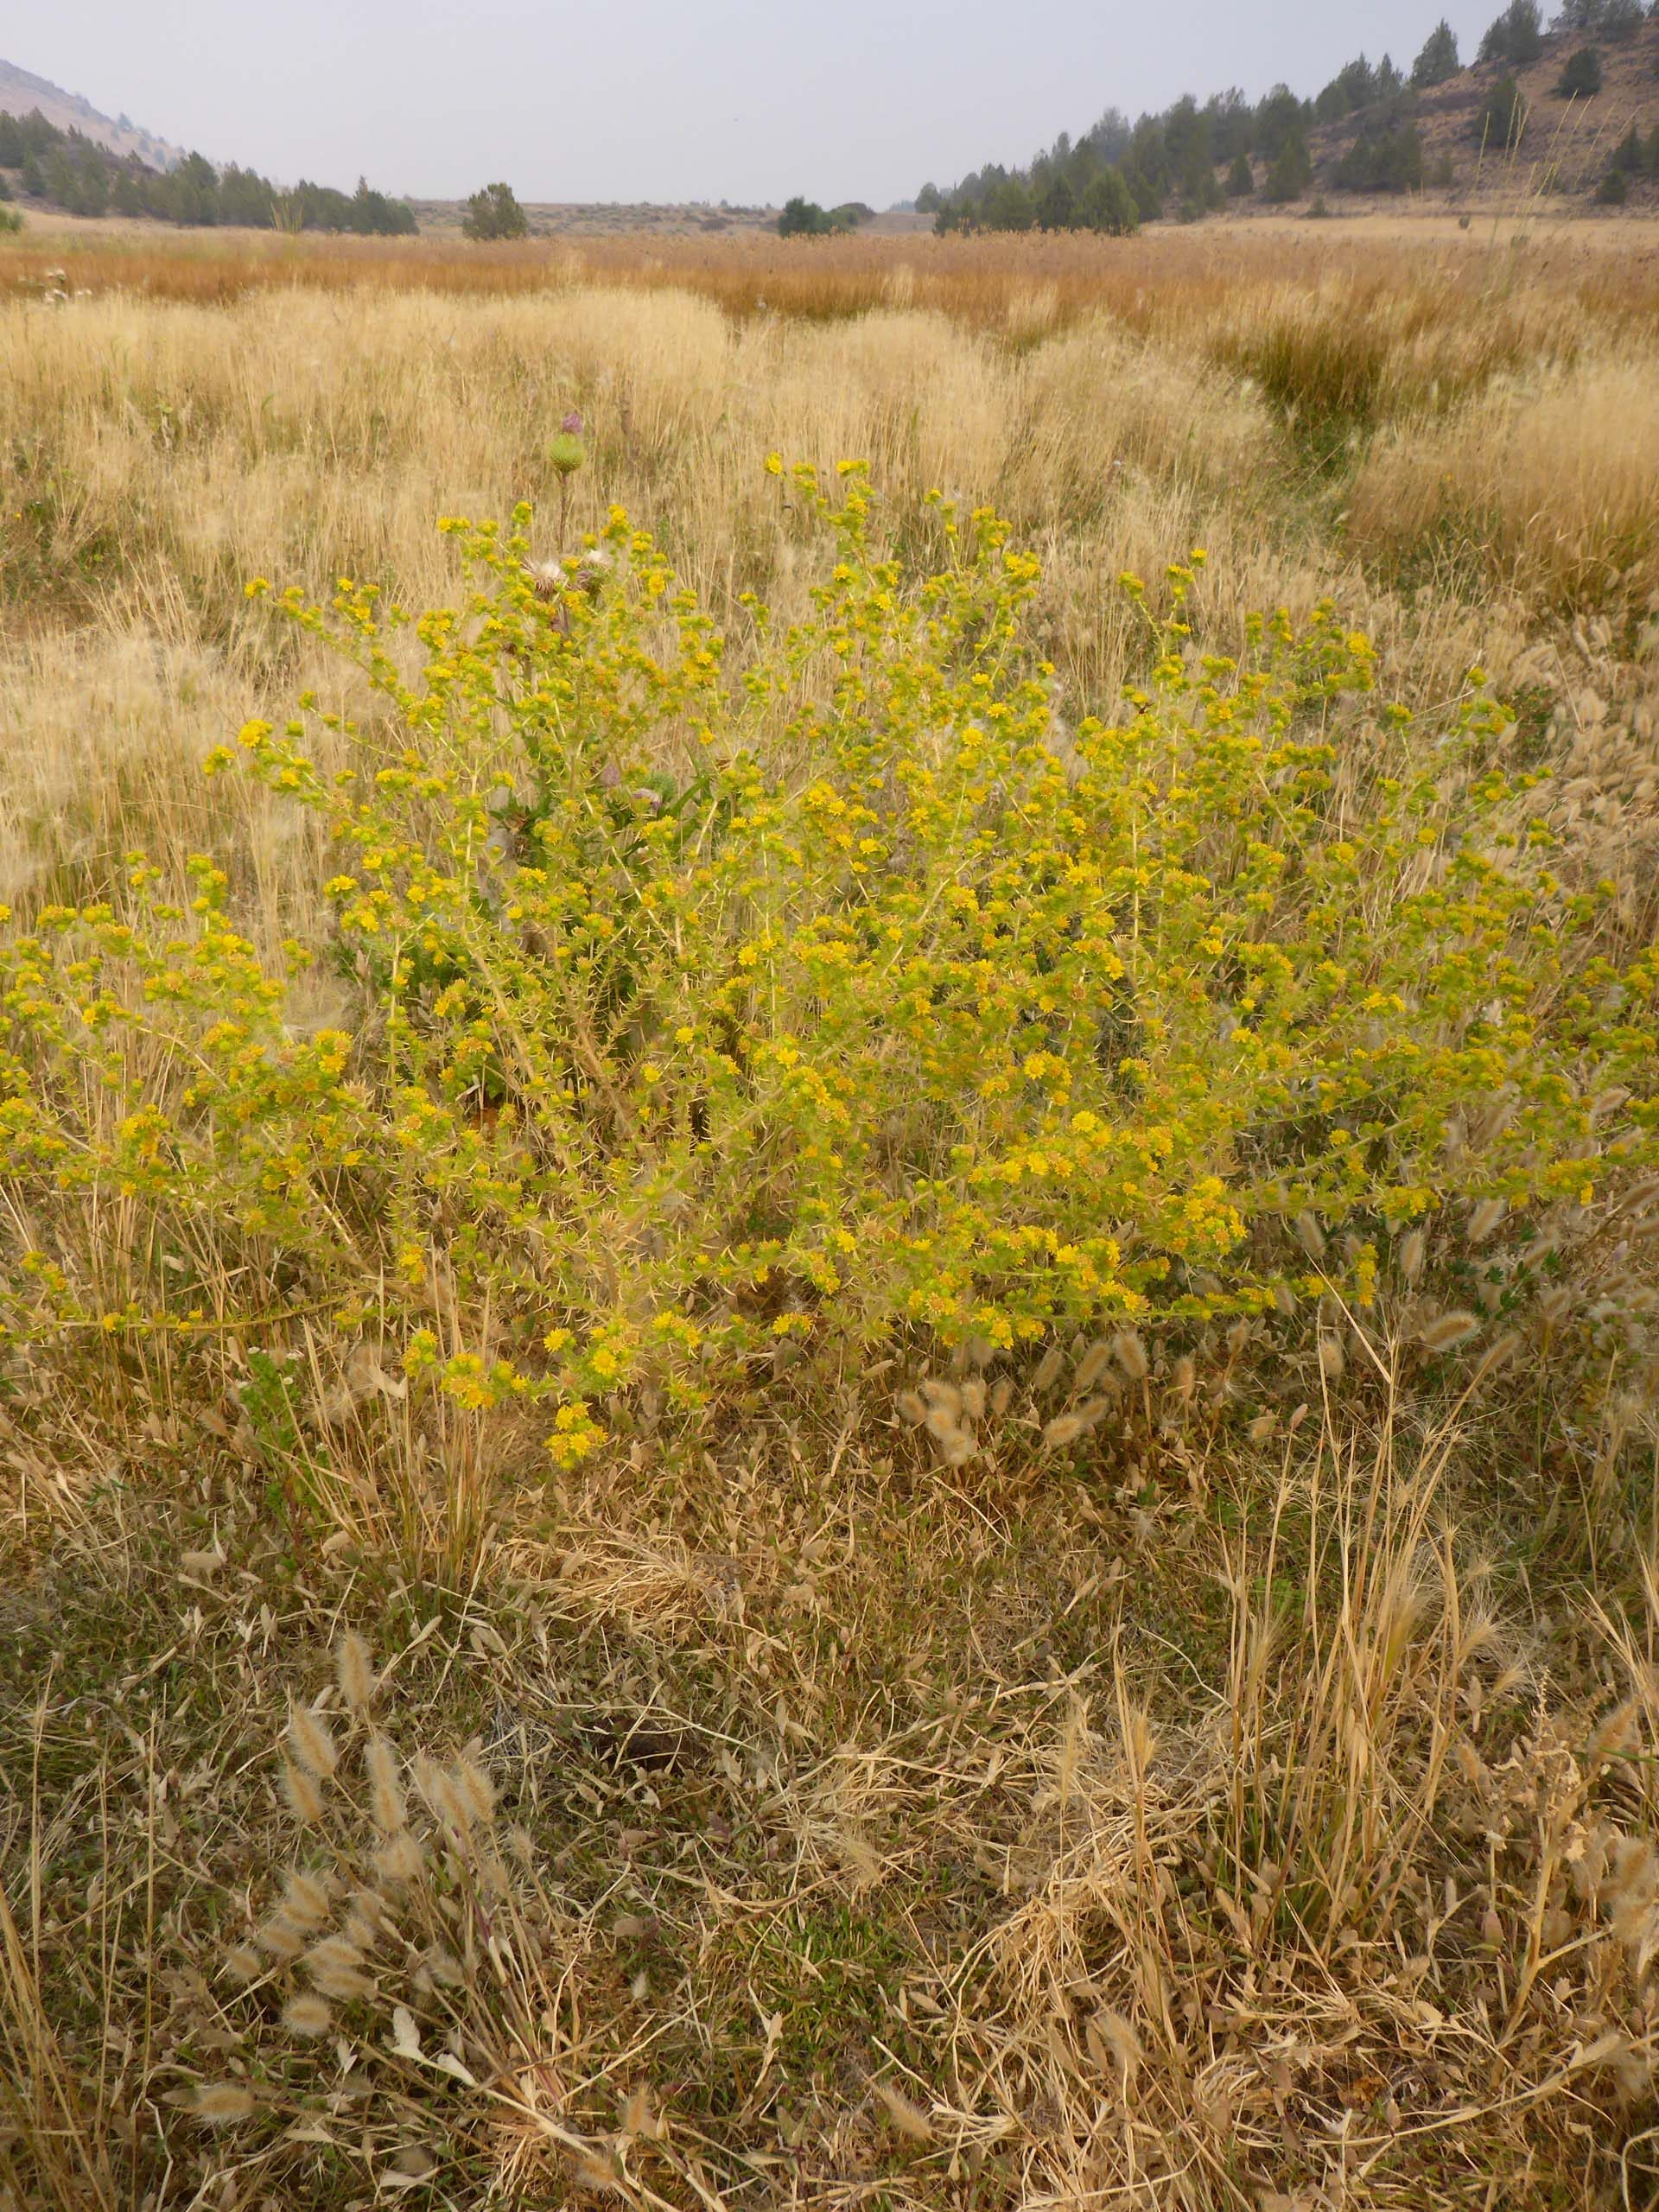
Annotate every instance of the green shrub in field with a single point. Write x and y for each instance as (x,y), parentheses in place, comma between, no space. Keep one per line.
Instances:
(493,213)
(716,1020)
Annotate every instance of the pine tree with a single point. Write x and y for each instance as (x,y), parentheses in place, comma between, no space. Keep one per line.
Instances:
(1515,36)
(1108,205)
(1622,19)
(1057,209)
(1502,116)
(1627,155)
(1279,114)
(1292,172)
(1438,59)
(1145,190)
(1010,206)
(1581,77)
(1385,161)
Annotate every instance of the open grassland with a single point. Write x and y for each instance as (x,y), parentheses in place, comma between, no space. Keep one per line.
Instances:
(1168,270)
(835,1383)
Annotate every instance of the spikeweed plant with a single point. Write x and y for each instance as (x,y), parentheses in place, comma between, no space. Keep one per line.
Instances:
(943,1024)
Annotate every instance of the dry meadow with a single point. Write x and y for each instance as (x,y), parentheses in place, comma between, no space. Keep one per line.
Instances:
(1129,1751)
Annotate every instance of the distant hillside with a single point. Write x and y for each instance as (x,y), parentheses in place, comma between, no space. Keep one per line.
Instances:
(551,218)
(601,218)
(1567,144)
(45,165)
(23,93)
(1570,109)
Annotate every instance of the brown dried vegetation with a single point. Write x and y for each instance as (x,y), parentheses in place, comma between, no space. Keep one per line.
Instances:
(1204,1771)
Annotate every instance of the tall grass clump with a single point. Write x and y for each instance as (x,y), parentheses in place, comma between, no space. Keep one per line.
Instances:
(1550,478)
(673,1064)
(1384,1818)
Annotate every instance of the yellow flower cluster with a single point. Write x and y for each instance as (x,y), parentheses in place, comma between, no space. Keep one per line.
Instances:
(678,1057)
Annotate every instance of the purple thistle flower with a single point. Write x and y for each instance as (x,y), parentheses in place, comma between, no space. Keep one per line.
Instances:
(572,422)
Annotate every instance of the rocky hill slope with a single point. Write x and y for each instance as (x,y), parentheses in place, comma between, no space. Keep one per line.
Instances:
(1565,144)
(22,93)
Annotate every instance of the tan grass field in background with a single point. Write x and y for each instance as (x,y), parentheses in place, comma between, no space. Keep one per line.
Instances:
(973,278)
(1264,1826)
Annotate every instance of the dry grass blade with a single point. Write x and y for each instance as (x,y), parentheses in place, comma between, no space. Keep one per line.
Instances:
(67,2162)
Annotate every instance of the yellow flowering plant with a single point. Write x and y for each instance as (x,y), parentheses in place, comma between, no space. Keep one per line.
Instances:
(723,1015)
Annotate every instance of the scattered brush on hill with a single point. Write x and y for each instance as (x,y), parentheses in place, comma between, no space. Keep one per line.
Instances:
(1364,132)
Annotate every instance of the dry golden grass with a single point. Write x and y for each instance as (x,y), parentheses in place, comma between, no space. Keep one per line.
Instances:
(1172,1863)
(1551,472)
(162,457)
(1162,278)
(799,1821)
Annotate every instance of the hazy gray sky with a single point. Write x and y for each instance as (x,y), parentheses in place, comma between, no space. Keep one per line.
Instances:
(747,100)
